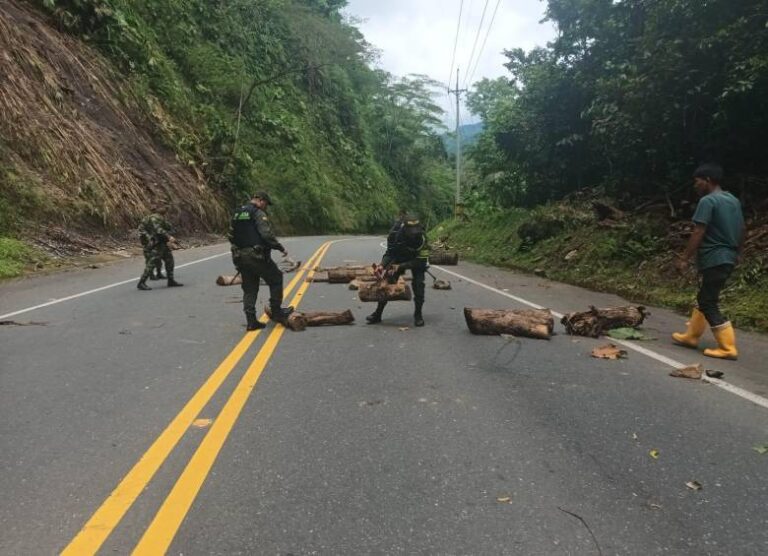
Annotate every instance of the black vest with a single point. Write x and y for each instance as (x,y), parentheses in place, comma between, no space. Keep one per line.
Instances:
(244,230)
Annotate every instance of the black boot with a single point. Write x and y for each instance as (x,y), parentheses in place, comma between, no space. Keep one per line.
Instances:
(252,323)
(375,317)
(173,283)
(142,285)
(418,319)
(280,315)
(158,276)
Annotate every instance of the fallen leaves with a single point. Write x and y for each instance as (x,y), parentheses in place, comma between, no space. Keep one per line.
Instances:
(609,351)
(202,423)
(693,372)
(761,449)
(404,328)
(654,454)
(694,485)
(504,500)
(627,333)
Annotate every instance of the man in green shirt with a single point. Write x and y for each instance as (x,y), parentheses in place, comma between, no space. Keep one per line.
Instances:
(716,242)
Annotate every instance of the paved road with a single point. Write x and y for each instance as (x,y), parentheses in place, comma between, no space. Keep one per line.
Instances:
(152,422)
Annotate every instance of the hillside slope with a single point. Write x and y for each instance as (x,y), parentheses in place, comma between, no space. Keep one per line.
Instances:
(111,105)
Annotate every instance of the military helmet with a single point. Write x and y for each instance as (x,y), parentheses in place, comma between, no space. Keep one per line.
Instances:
(262,195)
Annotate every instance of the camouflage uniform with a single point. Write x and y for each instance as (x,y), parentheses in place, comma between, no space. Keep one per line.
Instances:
(253,239)
(154,232)
(408,253)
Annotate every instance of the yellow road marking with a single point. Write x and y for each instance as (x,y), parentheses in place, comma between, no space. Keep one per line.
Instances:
(106,518)
(160,533)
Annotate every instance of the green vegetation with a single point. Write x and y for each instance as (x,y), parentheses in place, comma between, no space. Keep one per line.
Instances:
(251,94)
(14,256)
(630,97)
(633,259)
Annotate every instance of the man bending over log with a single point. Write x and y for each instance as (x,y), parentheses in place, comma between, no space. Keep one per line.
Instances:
(407,249)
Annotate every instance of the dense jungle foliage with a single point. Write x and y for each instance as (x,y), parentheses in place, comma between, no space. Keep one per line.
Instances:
(629,97)
(276,94)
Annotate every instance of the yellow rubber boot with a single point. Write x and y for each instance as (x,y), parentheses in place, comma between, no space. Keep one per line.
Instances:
(726,343)
(696,327)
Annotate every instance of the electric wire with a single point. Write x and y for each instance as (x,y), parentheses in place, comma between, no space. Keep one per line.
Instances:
(477,37)
(456,42)
(485,41)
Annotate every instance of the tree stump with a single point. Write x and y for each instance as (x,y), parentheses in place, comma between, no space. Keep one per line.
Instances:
(530,323)
(445,258)
(384,291)
(595,322)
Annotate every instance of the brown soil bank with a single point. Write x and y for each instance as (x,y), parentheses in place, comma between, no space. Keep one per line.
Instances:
(74,152)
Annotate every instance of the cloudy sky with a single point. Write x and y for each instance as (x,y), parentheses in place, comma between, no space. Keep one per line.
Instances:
(417,36)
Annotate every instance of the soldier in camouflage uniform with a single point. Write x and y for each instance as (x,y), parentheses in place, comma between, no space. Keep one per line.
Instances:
(155,233)
(407,249)
(253,239)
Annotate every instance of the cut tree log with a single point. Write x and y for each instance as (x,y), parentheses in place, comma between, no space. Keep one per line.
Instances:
(225,280)
(318,277)
(596,322)
(530,323)
(298,321)
(346,275)
(384,291)
(445,258)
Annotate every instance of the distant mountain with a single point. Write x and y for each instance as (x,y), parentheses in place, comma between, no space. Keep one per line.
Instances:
(469,133)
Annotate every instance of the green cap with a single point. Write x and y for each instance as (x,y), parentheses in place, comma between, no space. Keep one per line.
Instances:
(262,195)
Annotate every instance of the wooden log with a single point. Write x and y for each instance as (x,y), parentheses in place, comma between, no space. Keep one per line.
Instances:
(445,258)
(318,277)
(531,323)
(606,212)
(384,291)
(225,280)
(596,322)
(300,321)
(346,275)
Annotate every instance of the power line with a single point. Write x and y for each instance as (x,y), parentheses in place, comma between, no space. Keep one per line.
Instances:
(485,41)
(456,41)
(477,37)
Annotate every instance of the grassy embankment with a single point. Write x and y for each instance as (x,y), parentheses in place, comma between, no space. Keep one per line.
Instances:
(634,259)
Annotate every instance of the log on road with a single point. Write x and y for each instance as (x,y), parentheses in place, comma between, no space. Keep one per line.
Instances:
(346,275)
(595,322)
(531,323)
(445,258)
(225,280)
(298,321)
(384,291)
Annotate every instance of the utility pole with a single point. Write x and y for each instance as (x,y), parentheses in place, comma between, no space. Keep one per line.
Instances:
(459,208)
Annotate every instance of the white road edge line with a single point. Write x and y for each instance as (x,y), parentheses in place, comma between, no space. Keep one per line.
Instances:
(741,392)
(97,290)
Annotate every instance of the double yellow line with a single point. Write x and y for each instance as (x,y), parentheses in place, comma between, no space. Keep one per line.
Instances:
(159,535)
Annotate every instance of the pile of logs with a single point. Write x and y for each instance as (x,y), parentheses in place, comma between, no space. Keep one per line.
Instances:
(595,322)
(531,323)
(299,322)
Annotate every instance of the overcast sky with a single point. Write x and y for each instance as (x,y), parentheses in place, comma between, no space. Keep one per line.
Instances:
(417,36)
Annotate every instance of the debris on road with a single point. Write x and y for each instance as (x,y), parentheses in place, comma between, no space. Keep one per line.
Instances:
(693,372)
(225,280)
(694,485)
(504,499)
(444,258)
(318,277)
(530,323)
(298,321)
(404,328)
(288,265)
(761,449)
(354,285)
(441,285)
(202,423)
(596,322)
(626,333)
(345,275)
(384,291)
(609,351)
(15,323)
(654,454)
(715,374)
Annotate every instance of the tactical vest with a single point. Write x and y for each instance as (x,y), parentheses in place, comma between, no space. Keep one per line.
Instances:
(244,230)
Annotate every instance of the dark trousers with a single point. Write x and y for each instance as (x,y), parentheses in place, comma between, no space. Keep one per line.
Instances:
(153,256)
(418,268)
(255,266)
(711,283)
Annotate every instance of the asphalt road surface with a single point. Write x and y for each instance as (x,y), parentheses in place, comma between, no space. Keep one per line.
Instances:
(151,422)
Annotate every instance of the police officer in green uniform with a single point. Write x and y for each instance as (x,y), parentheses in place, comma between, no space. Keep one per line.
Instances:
(253,240)
(155,234)
(407,249)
